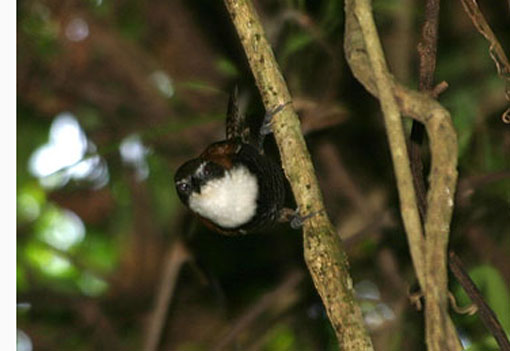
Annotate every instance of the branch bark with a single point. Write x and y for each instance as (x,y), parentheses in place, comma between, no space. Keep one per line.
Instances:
(427,49)
(323,251)
(366,59)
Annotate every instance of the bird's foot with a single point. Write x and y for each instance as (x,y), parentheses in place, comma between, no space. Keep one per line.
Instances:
(265,129)
(294,217)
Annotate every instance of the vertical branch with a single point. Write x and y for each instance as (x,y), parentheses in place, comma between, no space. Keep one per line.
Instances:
(366,59)
(443,179)
(360,21)
(175,258)
(427,49)
(324,254)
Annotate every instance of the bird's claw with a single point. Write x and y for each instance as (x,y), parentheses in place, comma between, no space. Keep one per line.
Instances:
(294,217)
(265,129)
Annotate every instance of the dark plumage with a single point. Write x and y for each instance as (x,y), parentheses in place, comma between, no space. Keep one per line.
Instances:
(232,186)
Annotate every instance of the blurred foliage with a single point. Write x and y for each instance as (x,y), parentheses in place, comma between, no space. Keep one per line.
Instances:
(144,86)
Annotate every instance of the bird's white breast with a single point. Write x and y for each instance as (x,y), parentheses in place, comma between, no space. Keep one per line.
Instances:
(229,201)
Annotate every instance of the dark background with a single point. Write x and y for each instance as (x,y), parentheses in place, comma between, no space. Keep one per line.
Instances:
(112,96)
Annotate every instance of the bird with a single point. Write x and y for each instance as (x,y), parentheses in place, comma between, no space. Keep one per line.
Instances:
(232,186)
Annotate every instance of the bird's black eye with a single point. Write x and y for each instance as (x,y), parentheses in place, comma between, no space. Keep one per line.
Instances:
(184,187)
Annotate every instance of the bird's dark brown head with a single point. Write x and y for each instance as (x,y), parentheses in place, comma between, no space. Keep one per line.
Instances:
(192,175)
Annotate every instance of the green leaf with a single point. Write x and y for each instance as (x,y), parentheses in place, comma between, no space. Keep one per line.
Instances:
(281,338)
(486,344)
(294,44)
(48,262)
(227,67)
(29,202)
(332,16)
(99,252)
(91,285)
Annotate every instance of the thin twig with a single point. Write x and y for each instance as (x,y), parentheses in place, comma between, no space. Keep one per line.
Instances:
(487,315)
(468,185)
(250,316)
(176,256)
(496,51)
(338,178)
(427,50)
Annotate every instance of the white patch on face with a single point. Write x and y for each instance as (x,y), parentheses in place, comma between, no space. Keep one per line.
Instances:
(229,201)
(200,168)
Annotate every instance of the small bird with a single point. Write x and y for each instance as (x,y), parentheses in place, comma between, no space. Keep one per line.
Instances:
(232,186)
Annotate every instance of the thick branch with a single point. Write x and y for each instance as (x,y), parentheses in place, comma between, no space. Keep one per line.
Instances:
(361,66)
(324,254)
(366,59)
